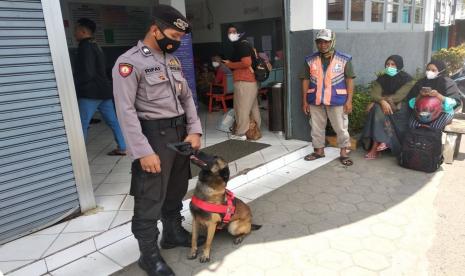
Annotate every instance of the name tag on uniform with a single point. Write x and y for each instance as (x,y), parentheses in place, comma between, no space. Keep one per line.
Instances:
(152,70)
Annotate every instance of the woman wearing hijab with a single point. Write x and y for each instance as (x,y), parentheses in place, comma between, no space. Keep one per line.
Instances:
(388,114)
(437,84)
(245,84)
(220,70)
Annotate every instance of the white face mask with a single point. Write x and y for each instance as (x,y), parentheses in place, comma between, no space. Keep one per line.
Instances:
(431,75)
(215,64)
(233,37)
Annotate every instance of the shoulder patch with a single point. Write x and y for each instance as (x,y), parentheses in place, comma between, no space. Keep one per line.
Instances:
(125,69)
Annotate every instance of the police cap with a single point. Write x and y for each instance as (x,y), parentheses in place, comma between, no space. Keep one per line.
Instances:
(170,17)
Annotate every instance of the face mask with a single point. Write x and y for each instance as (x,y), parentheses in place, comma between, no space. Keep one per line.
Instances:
(168,45)
(390,71)
(233,37)
(431,75)
(215,64)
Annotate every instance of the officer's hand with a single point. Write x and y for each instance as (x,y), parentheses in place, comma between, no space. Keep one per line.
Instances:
(194,139)
(348,107)
(150,163)
(306,108)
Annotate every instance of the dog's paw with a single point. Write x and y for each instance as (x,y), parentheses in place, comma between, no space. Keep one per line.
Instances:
(238,240)
(204,259)
(192,256)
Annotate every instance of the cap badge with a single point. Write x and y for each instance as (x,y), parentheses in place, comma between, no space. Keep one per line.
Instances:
(181,24)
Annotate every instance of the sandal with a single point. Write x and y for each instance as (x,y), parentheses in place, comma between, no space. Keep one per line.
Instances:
(346,161)
(313,156)
(117,152)
(382,147)
(370,157)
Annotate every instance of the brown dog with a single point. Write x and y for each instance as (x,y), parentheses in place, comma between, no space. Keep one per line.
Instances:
(211,192)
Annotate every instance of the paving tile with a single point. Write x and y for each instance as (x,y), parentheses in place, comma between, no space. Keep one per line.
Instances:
(251,190)
(357,271)
(334,259)
(370,260)
(65,240)
(52,230)
(36,268)
(256,173)
(113,178)
(69,255)
(273,152)
(91,223)
(122,217)
(110,203)
(113,235)
(128,203)
(26,248)
(93,264)
(8,266)
(123,252)
(113,189)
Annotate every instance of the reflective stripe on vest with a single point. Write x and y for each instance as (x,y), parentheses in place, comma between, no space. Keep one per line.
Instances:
(329,88)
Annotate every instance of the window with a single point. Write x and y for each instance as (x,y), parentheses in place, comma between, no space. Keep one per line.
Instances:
(336,9)
(377,10)
(392,12)
(418,11)
(357,10)
(407,11)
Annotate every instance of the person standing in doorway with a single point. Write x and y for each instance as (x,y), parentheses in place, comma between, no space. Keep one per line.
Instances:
(93,87)
(245,84)
(155,108)
(327,87)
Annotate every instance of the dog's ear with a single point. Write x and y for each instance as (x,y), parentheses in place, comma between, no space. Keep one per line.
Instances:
(218,165)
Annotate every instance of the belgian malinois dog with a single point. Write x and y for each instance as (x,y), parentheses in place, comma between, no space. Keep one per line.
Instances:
(210,196)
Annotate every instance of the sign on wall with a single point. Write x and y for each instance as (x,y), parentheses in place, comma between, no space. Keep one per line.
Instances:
(186,56)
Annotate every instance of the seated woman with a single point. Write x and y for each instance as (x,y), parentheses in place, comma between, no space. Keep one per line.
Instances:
(435,84)
(220,70)
(388,92)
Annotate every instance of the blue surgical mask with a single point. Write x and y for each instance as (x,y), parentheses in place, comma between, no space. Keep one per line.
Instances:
(391,71)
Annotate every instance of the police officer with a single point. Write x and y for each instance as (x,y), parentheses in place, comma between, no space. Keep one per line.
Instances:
(155,107)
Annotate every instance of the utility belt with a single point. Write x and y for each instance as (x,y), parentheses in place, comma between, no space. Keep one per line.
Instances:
(164,123)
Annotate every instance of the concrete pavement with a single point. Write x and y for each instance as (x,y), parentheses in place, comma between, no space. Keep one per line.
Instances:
(374,218)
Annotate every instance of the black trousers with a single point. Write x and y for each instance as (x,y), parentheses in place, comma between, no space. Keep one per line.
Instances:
(159,195)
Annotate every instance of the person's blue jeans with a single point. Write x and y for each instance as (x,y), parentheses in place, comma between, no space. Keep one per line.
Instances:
(87,108)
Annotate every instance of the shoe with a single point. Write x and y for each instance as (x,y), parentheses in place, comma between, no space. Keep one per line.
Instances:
(238,137)
(151,261)
(175,235)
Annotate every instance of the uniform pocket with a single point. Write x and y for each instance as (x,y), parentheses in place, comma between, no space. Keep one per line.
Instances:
(157,86)
(144,184)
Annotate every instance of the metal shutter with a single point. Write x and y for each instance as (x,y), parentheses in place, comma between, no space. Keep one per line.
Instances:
(37,185)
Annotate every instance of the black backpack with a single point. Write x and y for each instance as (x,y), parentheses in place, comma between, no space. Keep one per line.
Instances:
(422,149)
(259,66)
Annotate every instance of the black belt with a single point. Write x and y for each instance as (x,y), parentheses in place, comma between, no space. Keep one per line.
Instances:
(164,123)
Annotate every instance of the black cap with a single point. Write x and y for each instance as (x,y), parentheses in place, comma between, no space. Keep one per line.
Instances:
(171,18)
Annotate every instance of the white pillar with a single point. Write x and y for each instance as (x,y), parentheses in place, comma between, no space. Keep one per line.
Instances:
(180,5)
(307,15)
(429,15)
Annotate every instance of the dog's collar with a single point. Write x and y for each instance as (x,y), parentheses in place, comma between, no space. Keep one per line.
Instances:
(227,210)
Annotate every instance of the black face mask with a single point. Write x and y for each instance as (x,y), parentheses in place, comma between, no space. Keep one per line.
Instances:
(168,45)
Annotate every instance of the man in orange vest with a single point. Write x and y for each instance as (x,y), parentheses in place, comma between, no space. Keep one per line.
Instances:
(327,86)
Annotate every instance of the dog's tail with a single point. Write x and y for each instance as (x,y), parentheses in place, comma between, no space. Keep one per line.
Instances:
(256,227)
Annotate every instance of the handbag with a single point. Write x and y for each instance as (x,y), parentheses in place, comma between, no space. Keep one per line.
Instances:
(253,133)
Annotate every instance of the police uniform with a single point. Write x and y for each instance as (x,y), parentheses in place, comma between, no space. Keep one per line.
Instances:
(155,107)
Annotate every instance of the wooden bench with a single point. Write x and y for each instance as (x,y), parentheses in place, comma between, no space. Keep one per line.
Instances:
(453,133)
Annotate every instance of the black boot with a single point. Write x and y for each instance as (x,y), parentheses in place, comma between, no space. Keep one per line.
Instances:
(151,261)
(174,234)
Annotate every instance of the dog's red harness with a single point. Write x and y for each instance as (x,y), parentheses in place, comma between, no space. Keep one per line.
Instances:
(226,210)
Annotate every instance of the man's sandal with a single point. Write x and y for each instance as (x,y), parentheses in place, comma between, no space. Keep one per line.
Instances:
(346,161)
(313,156)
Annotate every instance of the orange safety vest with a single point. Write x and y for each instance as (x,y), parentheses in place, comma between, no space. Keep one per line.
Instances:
(327,88)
